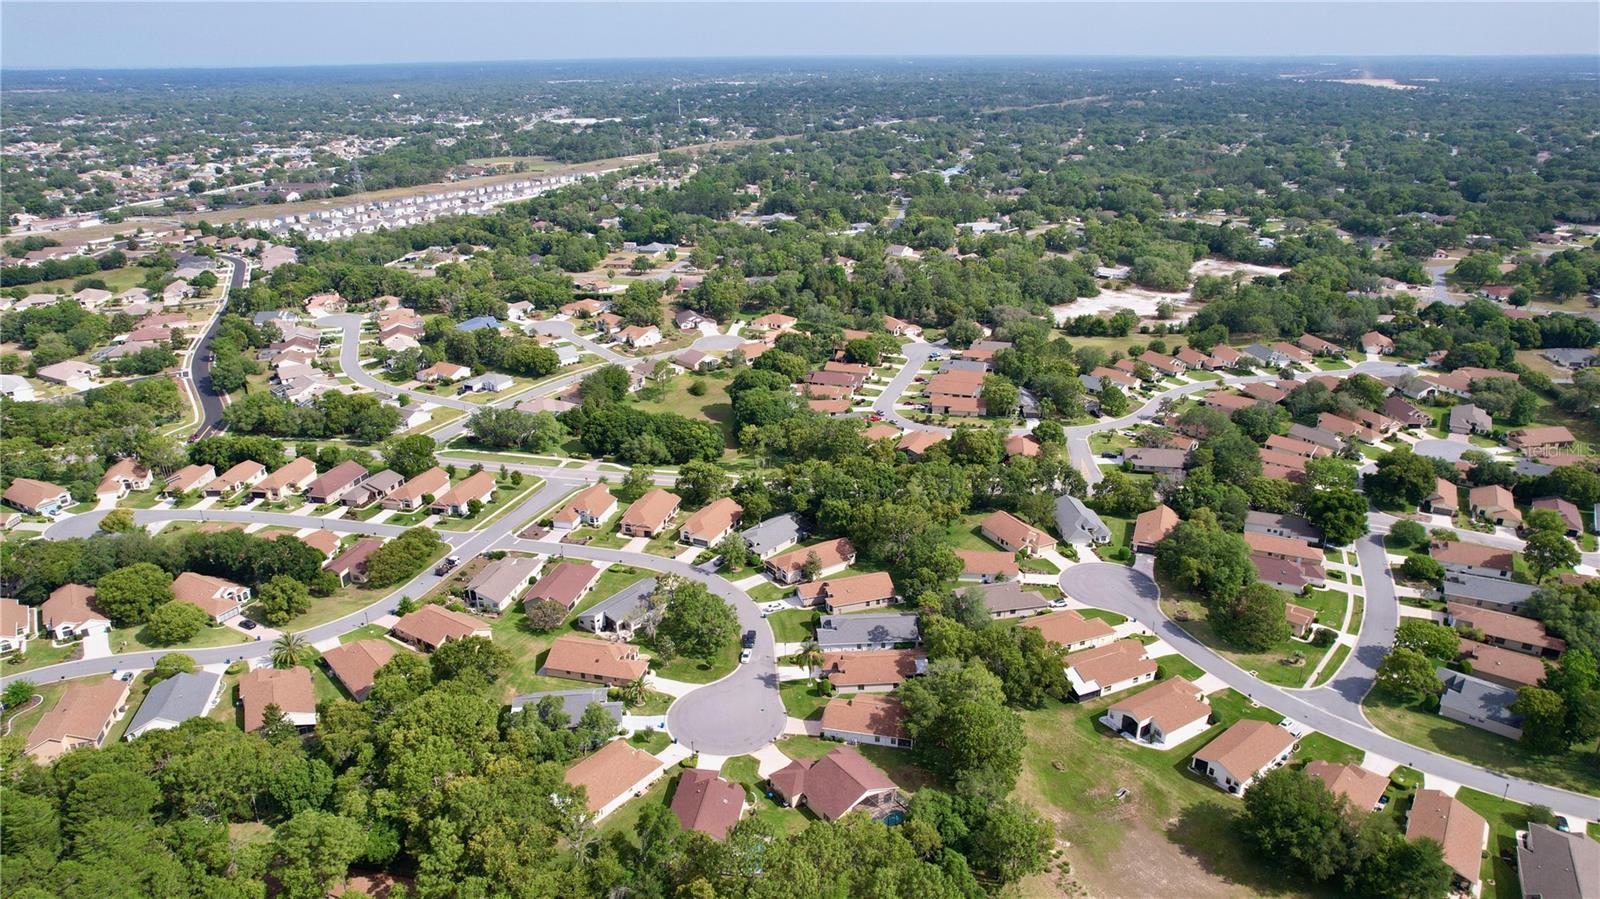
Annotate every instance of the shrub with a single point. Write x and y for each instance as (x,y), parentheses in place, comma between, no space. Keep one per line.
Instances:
(1408,534)
(697,387)
(1323,637)
(174,622)
(546,615)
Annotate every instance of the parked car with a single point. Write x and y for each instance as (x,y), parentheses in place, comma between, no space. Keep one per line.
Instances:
(448,565)
(248,624)
(776,605)
(749,639)
(744,656)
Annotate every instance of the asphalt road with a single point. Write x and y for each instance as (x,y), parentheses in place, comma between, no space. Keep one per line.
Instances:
(200,360)
(1328,709)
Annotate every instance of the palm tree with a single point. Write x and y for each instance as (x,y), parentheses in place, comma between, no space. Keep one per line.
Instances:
(811,656)
(289,650)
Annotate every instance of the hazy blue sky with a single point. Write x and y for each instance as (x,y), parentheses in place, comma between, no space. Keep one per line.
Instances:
(41,34)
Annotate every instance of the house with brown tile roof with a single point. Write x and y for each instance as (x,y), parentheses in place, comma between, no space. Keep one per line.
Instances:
(356,664)
(1242,753)
(1152,527)
(287,688)
(293,477)
(1108,669)
(1361,786)
(350,566)
(1228,402)
(612,775)
(1472,558)
(1014,534)
(431,626)
(564,583)
(81,717)
(1502,666)
(70,612)
(650,514)
(17,625)
(705,802)
(835,785)
(444,372)
(1542,441)
(850,594)
(872,671)
(1293,447)
(1021,445)
(1373,342)
(1300,619)
(1462,832)
(413,494)
(832,555)
(710,524)
(1345,427)
(123,476)
(37,497)
(246,473)
(1283,547)
(1492,502)
(322,540)
(458,500)
(1513,632)
(590,507)
(1311,343)
(1070,630)
(1569,513)
(336,482)
(189,477)
(1165,715)
(1192,359)
(869,718)
(1224,356)
(220,599)
(594,661)
(987,566)
(1445,499)
(917,443)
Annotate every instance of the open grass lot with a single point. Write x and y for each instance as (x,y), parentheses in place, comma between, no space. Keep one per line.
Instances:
(1269,666)
(713,406)
(768,592)
(963,533)
(131,639)
(1570,770)
(794,625)
(802,699)
(364,632)
(1328,604)
(1172,835)
(41,653)
(700,671)
(1340,653)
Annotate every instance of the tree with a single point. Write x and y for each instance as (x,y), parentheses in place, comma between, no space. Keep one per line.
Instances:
(1576,679)
(1544,720)
(1340,514)
(402,558)
(1000,396)
(1113,401)
(1408,675)
(962,729)
(701,482)
(1293,818)
(1201,557)
(168,665)
(638,480)
(312,852)
(1254,620)
(1403,479)
(811,568)
(1422,568)
(281,599)
(410,456)
(1406,534)
(475,659)
(1548,551)
(17,694)
(175,622)
(1434,640)
(290,651)
(546,615)
(117,521)
(128,595)
(1123,496)
(698,623)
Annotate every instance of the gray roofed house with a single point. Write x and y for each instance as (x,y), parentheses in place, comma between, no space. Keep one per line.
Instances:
(1477,702)
(1077,523)
(1316,435)
(567,354)
(1487,592)
(1007,599)
(977,365)
(618,610)
(1266,355)
(174,701)
(373,489)
(1090,383)
(269,316)
(573,702)
(1571,357)
(877,630)
(1281,526)
(502,582)
(774,535)
(1557,865)
(489,382)
(1529,468)
(1469,419)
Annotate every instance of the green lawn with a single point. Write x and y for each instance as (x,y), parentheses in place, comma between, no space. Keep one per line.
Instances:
(1038,566)
(505,498)
(802,698)
(963,533)
(1571,770)
(794,625)
(744,770)
(1505,818)
(41,653)
(698,671)
(364,632)
(897,763)
(625,819)
(713,406)
(1328,604)
(1270,666)
(1322,746)
(1356,614)
(1332,668)
(131,639)
(767,591)
(1121,538)
(1111,618)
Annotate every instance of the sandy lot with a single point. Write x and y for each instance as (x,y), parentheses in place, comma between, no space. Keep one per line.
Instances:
(1137,300)
(1224,267)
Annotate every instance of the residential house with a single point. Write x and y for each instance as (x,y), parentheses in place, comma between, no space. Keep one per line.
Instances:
(1557,864)
(1070,630)
(1077,523)
(986,566)
(16,625)
(1228,403)
(458,500)
(1307,558)
(867,631)
(703,801)
(1373,342)
(220,599)
(1346,428)
(247,473)
(1021,445)
(1108,669)
(772,324)
(1192,359)
(774,535)
(710,524)
(287,688)
(620,612)
(1223,356)
(1444,500)
(501,583)
(1514,632)
(564,583)
(16,388)
(1406,413)
(901,328)
(488,382)
(850,594)
(1502,666)
(1167,714)
(372,489)
(1568,512)
(123,475)
(590,507)
(177,292)
(1007,599)
(323,541)
(614,774)
(1459,557)
(1014,534)
(640,336)
(37,497)
(1486,592)
(649,515)
(865,718)
(1168,463)
(1242,753)
(356,664)
(293,477)
(322,304)
(830,555)
(915,444)
(418,491)
(479,323)
(835,785)
(597,661)
(1492,502)
(1300,618)
(336,482)
(1543,441)
(81,717)
(872,671)
(1462,832)
(1314,344)
(1152,527)
(1323,438)
(1363,787)
(689,320)
(1166,365)
(1265,355)
(188,694)
(350,566)
(1475,701)
(443,372)
(1469,419)
(1276,525)
(189,477)
(69,613)
(432,626)
(572,703)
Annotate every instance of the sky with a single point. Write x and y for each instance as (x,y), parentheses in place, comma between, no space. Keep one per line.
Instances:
(224,34)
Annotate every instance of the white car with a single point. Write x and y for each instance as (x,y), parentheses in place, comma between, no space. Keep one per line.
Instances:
(1058,603)
(744,656)
(776,605)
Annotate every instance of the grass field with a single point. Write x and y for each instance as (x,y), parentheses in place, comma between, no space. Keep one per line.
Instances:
(697,671)
(1340,652)
(131,639)
(1270,666)
(1570,770)
(794,625)
(802,698)
(1505,819)
(713,406)
(744,770)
